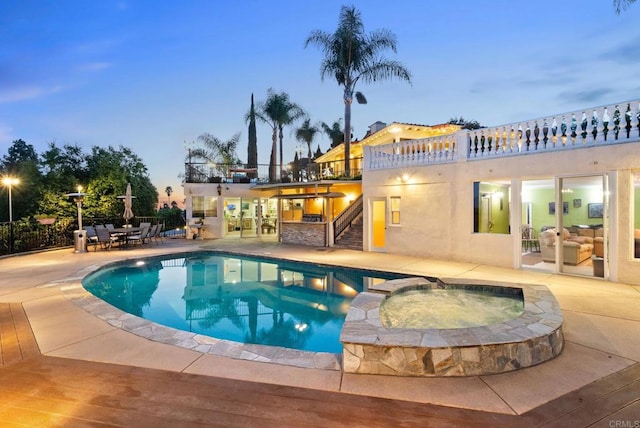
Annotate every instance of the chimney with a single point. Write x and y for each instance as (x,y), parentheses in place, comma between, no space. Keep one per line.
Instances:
(373,128)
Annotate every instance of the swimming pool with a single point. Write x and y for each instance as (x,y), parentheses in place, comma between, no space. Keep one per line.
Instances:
(239,298)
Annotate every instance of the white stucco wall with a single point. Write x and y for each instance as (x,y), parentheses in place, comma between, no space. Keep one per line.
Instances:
(214,227)
(437,204)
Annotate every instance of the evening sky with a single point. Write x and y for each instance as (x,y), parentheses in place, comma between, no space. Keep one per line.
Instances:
(154,75)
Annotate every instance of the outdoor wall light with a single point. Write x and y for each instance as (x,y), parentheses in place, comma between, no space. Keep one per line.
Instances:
(219,190)
(404,178)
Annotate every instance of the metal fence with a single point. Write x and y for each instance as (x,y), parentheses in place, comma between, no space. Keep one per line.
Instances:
(25,236)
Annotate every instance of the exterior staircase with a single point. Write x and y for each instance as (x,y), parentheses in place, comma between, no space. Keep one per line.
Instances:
(352,236)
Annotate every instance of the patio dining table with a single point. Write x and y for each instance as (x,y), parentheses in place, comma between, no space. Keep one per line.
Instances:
(122,232)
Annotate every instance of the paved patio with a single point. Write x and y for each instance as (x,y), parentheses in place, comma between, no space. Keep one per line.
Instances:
(62,365)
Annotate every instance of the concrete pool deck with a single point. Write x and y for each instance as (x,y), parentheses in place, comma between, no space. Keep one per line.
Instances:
(601,329)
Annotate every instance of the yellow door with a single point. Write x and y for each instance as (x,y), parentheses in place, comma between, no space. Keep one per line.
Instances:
(378,224)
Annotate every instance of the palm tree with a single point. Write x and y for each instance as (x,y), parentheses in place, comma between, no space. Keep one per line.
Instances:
(621,5)
(334,132)
(351,55)
(278,111)
(222,153)
(168,191)
(306,133)
(267,112)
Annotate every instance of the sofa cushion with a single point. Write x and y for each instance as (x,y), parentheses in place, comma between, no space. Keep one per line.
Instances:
(581,239)
(586,232)
(547,238)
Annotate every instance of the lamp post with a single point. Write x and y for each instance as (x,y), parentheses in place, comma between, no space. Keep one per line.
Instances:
(9,182)
(79,243)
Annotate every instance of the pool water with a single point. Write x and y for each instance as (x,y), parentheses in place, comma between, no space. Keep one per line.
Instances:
(243,299)
(448,308)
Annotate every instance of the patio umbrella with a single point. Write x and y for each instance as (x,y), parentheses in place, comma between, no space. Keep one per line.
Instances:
(128,204)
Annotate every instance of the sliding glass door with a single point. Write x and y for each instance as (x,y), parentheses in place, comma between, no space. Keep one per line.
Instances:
(564,225)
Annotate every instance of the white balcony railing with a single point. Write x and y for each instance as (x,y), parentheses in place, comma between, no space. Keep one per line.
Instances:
(414,152)
(604,125)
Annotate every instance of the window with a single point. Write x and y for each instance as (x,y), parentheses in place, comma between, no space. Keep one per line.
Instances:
(395,210)
(491,207)
(205,206)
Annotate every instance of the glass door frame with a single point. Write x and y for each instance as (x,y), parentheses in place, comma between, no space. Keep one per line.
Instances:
(560,191)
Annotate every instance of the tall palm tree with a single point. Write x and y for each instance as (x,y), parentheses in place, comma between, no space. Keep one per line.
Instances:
(351,55)
(168,191)
(278,111)
(334,132)
(306,133)
(621,5)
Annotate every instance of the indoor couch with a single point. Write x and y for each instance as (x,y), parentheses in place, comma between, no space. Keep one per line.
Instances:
(598,239)
(576,249)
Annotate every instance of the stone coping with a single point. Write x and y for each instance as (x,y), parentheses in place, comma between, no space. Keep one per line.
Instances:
(529,339)
(77,294)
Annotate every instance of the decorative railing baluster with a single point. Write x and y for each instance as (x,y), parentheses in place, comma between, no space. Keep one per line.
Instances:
(627,117)
(594,125)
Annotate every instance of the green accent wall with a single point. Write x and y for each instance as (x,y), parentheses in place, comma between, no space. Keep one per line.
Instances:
(576,215)
(499,206)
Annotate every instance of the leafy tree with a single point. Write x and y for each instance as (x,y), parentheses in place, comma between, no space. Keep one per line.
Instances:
(252,149)
(103,174)
(334,132)
(21,162)
(465,124)
(111,170)
(351,55)
(306,133)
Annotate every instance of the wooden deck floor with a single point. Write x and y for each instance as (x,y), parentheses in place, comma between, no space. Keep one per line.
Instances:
(37,390)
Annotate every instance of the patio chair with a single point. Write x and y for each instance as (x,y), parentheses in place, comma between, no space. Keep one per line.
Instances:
(92,236)
(158,234)
(140,237)
(152,232)
(104,238)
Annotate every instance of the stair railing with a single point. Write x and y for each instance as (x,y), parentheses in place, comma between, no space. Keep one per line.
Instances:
(346,217)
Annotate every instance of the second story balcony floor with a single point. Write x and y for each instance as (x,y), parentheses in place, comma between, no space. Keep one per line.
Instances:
(597,126)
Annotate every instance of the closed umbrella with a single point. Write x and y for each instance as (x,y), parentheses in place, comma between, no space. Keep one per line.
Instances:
(128,204)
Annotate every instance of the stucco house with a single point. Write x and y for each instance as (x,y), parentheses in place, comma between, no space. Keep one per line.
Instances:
(558,193)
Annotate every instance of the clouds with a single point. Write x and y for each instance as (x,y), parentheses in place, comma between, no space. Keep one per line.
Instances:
(27,92)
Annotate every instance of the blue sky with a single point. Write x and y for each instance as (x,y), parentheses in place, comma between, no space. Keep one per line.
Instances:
(154,75)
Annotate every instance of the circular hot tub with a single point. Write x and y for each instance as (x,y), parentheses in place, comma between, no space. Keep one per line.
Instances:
(450,327)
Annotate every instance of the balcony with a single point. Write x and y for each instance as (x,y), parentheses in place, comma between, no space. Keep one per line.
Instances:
(597,126)
(206,172)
